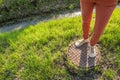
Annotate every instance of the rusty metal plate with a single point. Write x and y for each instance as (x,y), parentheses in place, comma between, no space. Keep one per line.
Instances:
(80,55)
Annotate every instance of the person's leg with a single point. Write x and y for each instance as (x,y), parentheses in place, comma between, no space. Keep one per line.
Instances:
(86,9)
(103,14)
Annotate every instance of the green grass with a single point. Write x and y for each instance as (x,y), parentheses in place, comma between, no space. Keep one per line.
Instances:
(35,53)
(108,74)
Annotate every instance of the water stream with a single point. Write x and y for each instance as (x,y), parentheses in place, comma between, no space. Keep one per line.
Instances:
(35,20)
(20,25)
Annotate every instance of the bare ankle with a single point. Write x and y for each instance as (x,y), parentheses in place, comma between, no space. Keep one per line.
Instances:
(92,45)
(86,40)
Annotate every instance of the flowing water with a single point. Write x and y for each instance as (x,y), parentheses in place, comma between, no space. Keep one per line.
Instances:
(35,20)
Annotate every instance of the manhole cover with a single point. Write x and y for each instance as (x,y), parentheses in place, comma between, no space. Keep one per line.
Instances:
(80,57)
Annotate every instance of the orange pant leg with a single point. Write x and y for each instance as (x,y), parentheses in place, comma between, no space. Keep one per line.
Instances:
(103,14)
(86,9)
(104,9)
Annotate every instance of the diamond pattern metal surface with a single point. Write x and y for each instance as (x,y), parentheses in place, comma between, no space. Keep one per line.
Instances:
(80,57)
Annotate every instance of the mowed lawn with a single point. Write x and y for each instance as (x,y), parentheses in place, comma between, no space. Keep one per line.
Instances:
(31,53)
